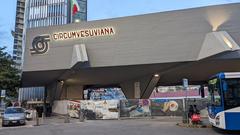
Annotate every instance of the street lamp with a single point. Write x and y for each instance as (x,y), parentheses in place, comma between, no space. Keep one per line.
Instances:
(156,75)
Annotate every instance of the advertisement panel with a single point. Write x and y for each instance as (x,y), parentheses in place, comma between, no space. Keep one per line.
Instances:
(135,108)
(73,108)
(103,109)
(113,109)
(166,107)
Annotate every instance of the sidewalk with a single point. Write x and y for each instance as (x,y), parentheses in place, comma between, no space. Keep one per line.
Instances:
(59,120)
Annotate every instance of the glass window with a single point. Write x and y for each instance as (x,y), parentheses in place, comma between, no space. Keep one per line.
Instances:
(232,94)
(214,92)
(82,6)
(14,110)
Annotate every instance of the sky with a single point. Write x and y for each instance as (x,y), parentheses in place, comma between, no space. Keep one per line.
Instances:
(103,9)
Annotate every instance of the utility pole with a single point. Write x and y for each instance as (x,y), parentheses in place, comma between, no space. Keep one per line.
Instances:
(185,112)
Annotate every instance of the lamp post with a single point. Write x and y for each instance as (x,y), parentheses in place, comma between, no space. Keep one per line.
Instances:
(185,113)
(3,95)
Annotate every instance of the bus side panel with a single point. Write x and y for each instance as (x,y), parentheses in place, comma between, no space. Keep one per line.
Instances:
(232,120)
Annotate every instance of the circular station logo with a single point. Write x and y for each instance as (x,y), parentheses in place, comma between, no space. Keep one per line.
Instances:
(40,44)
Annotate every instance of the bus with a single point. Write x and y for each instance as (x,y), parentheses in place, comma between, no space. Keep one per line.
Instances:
(224,100)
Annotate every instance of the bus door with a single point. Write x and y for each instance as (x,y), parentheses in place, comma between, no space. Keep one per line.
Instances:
(215,97)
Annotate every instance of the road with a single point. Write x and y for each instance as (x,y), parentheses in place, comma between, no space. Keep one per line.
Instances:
(109,127)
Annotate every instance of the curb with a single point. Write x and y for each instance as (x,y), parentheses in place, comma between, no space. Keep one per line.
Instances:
(16,127)
(193,126)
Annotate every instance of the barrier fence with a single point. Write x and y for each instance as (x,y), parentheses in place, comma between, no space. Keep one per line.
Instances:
(130,108)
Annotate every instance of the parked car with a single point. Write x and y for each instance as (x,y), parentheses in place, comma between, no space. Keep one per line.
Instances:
(13,116)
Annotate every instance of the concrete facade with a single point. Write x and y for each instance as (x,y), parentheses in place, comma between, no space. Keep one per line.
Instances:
(193,44)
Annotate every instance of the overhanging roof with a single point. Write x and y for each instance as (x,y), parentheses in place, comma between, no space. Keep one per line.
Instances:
(142,45)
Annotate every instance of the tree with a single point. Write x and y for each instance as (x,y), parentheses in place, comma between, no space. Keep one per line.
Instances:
(9,75)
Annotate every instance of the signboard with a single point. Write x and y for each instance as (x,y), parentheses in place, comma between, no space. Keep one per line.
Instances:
(40,43)
(84,33)
(3,93)
(185,83)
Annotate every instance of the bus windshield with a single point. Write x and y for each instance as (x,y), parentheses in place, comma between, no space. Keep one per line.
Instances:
(232,94)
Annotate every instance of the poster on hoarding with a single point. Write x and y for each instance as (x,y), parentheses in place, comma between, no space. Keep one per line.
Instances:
(73,108)
(166,107)
(93,109)
(104,94)
(135,108)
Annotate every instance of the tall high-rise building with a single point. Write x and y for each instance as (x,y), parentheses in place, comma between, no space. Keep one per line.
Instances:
(18,33)
(81,15)
(40,13)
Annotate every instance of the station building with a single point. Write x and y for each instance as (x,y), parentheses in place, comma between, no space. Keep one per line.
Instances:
(135,53)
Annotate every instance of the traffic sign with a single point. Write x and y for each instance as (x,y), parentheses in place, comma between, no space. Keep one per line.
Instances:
(185,83)
(3,93)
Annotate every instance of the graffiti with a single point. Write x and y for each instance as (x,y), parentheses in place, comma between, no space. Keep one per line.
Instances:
(113,109)
(105,109)
(135,108)
(166,107)
(104,94)
(171,106)
(88,108)
(73,108)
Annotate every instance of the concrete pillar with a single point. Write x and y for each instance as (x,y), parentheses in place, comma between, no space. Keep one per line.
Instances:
(59,90)
(55,90)
(128,89)
(74,92)
(147,91)
(141,87)
(50,92)
(45,103)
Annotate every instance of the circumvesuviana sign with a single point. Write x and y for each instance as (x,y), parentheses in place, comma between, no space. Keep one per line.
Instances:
(84,33)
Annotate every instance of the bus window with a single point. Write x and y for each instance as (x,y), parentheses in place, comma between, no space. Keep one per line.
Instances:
(232,95)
